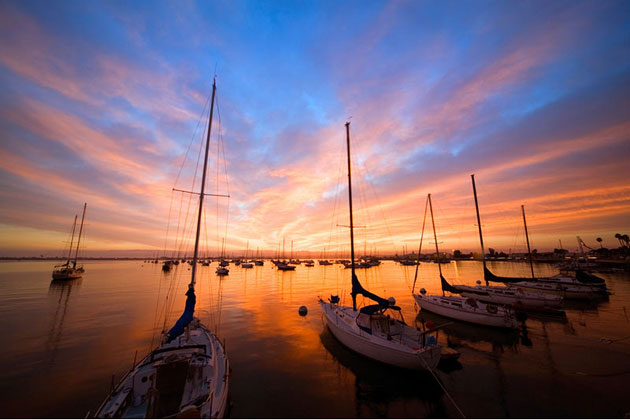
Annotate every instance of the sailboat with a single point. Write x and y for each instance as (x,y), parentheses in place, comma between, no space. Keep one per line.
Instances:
(520,298)
(462,308)
(372,331)
(187,375)
(70,270)
(246,263)
(583,286)
(222,269)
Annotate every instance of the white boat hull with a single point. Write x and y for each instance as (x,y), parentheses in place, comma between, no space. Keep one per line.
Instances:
(447,307)
(521,299)
(342,323)
(203,384)
(558,289)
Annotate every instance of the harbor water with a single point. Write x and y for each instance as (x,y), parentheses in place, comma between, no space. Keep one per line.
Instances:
(65,342)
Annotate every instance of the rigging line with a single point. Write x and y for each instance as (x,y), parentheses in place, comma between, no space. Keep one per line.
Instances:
(194,180)
(192,138)
(415,277)
(155,316)
(227,181)
(168,223)
(332,222)
(442,386)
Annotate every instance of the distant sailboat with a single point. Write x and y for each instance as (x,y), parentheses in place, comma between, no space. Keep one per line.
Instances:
(70,270)
(187,375)
(462,308)
(222,269)
(371,331)
(246,263)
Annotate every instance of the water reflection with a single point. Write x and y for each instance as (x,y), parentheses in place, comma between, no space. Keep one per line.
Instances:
(60,290)
(382,390)
(462,334)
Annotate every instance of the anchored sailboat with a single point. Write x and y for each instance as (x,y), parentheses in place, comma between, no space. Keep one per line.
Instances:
(583,286)
(187,375)
(70,270)
(516,296)
(371,331)
(462,308)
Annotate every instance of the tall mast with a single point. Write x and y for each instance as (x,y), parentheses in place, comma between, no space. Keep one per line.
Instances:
(354,303)
(483,250)
(203,186)
(74,226)
(529,251)
(76,255)
(415,276)
(437,250)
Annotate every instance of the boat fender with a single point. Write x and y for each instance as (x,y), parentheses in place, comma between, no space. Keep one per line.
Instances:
(423,291)
(492,309)
(391,300)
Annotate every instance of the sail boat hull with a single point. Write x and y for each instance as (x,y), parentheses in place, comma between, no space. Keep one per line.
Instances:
(185,378)
(512,296)
(341,321)
(458,308)
(67,273)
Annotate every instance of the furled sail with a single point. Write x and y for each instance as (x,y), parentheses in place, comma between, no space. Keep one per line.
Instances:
(357,289)
(187,316)
(491,277)
(447,287)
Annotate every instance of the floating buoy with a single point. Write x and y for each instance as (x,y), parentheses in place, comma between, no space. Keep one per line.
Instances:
(391,300)
(303,310)
(423,291)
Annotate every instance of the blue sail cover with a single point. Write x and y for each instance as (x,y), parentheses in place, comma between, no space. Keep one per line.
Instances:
(187,316)
(357,289)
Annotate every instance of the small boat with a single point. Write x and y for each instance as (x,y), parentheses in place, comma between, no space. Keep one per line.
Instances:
(374,330)
(285,267)
(324,262)
(222,271)
(187,375)
(70,270)
(465,309)
(245,263)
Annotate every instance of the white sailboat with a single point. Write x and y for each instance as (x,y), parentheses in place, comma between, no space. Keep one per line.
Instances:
(371,331)
(187,375)
(516,296)
(70,270)
(462,308)
(583,286)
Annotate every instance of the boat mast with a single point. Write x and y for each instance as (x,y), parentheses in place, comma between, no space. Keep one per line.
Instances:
(76,255)
(529,251)
(483,250)
(354,300)
(415,276)
(437,250)
(74,226)
(203,185)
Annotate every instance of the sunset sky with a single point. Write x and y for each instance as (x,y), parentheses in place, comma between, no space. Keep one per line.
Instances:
(100,101)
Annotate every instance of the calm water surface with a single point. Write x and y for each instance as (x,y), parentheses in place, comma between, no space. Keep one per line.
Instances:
(63,341)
